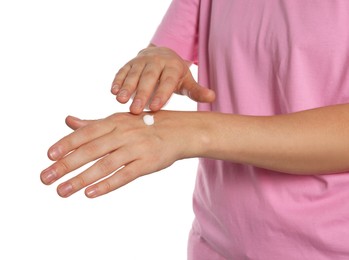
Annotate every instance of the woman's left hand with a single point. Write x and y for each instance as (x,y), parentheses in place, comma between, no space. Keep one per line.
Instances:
(123,147)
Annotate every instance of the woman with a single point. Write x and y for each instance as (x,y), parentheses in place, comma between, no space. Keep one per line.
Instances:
(272,129)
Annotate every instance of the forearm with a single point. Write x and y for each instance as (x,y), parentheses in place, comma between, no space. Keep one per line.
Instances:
(308,142)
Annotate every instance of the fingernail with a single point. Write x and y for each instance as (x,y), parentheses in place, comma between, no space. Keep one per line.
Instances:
(74,117)
(115,88)
(54,153)
(48,176)
(65,189)
(123,94)
(92,192)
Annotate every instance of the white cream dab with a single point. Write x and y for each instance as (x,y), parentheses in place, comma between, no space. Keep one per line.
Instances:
(148,119)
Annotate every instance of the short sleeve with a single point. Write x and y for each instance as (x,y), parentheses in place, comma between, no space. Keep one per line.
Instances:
(179,29)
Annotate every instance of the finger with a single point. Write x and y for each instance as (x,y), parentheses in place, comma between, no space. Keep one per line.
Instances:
(76,159)
(169,80)
(119,78)
(75,123)
(79,137)
(122,177)
(196,92)
(147,83)
(101,169)
(130,83)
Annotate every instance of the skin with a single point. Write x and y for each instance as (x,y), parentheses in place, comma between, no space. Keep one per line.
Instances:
(153,76)
(116,141)
(309,142)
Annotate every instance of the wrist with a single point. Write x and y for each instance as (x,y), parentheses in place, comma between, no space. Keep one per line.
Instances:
(187,130)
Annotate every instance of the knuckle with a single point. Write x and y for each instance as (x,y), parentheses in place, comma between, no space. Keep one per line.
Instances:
(64,166)
(105,165)
(154,66)
(67,143)
(117,118)
(91,129)
(143,51)
(157,58)
(169,81)
(113,120)
(134,72)
(106,187)
(129,175)
(123,70)
(113,117)
(90,149)
(152,56)
(150,73)
(80,182)
(178,68)
(143,95)
(96,126)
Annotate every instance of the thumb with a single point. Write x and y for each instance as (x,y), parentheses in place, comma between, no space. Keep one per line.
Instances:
(75,123)
(195,91)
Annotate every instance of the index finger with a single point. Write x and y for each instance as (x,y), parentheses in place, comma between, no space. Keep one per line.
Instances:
(78,138)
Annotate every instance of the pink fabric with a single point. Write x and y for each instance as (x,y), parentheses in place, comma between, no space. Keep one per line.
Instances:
(265,57)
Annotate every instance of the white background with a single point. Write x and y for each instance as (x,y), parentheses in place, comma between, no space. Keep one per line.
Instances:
(59,58)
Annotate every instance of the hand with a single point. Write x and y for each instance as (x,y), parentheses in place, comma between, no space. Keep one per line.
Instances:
(153,76)
(123,147)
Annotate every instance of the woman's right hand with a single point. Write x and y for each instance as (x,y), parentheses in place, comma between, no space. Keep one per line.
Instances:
(152,76)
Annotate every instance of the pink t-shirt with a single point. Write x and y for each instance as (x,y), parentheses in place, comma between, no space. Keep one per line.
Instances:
(265,57)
